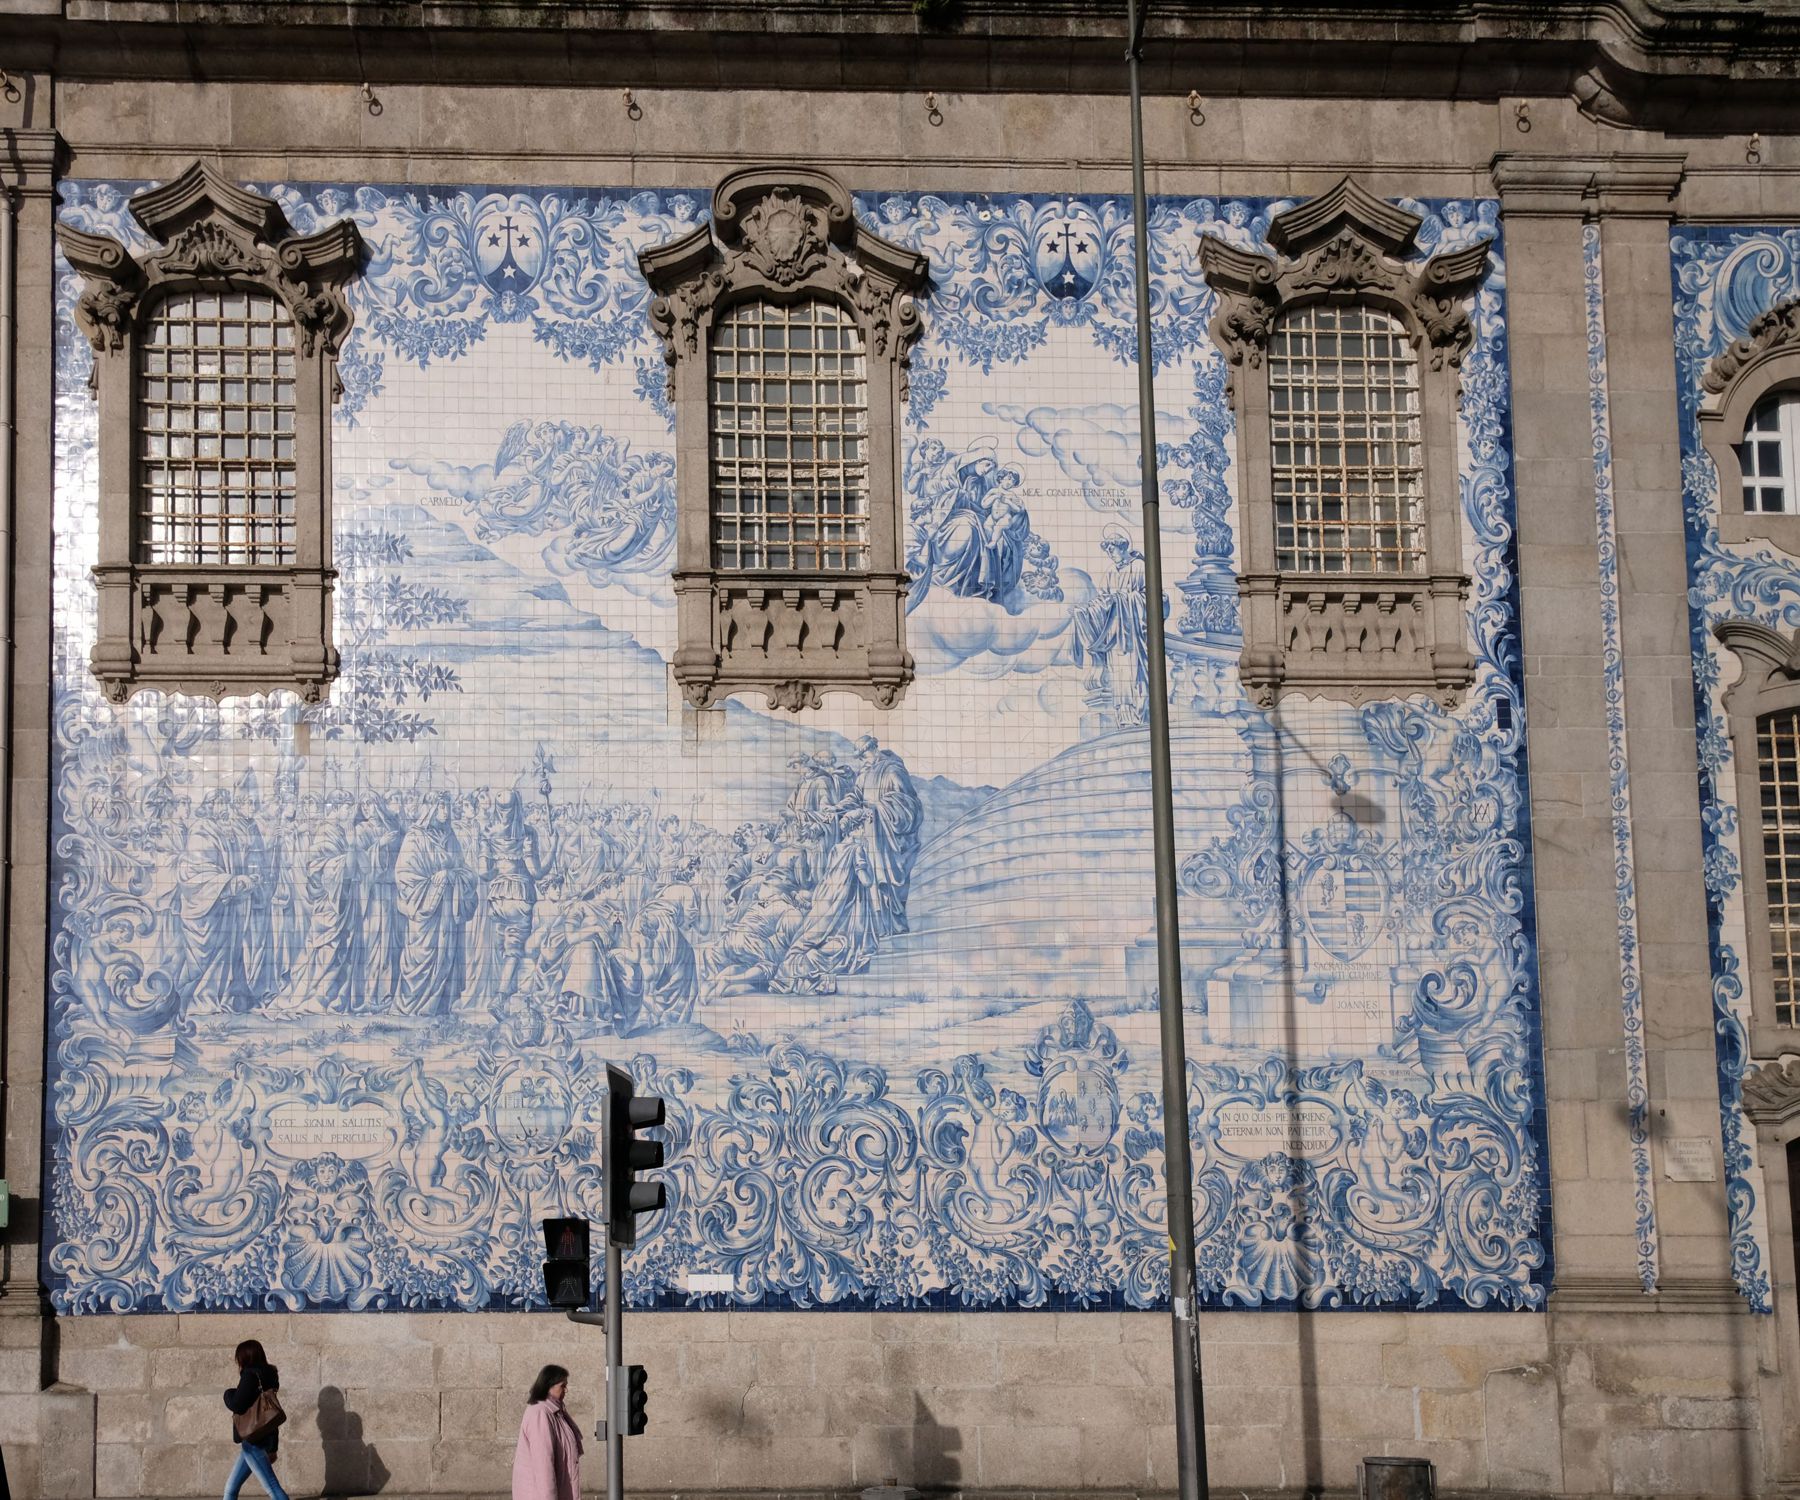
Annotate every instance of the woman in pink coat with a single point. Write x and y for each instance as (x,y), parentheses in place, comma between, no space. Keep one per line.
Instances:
(547,1465)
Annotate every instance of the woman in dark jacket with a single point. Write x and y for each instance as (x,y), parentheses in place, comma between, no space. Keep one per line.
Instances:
(255,1375)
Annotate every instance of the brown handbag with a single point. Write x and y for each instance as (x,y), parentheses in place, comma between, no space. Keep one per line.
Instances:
(263,1417)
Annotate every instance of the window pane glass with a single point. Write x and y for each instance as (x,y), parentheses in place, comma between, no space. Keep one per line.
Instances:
(795,500)
(1778,767)
(209,498)
(1345,443)
(1767,458)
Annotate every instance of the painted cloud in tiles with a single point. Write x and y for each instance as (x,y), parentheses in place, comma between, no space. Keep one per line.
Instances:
(332,986)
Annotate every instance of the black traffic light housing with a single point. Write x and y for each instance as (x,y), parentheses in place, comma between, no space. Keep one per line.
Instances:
(624,1156)
(637,1400)
(566,1276)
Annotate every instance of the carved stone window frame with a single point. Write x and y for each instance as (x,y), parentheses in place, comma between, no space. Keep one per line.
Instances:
(787,235)
(1349,636)
(1769,683)
(213,629)
(1764,363)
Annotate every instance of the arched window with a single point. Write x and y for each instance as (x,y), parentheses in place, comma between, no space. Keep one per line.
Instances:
(216,464)
(1769,454)
(786,326)
(790,420)
(1344,356)
(1750,428)
(1762,711)
(1346,469)
(215,367)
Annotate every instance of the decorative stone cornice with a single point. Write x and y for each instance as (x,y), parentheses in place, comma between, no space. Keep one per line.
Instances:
(1577,1293)
(30,160)
(1614,185)
(213,231)
(1344,245)
(1692,64)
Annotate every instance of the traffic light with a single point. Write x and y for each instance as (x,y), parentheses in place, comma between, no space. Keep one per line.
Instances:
(624,1156)
(566,1270)
(637,1400)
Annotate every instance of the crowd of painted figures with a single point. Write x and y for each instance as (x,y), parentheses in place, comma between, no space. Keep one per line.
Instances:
(432,903)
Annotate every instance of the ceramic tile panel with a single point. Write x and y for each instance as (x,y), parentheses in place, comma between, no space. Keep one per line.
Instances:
(1724,277)
(333,986)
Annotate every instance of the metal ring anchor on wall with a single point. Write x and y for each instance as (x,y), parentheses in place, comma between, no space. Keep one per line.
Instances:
(933,115)
(633,110)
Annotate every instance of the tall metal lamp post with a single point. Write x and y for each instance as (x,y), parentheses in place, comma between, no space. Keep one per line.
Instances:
(1190,1408)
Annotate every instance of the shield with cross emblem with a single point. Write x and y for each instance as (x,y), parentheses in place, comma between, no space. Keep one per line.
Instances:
(509,250)
(1067,252)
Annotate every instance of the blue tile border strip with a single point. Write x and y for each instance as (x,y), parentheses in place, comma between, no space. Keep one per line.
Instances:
(1618,763)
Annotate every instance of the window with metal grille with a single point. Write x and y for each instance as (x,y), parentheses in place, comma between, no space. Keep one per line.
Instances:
(1347,470)
(216,431)
(789,417)
(1768,456)
(1778,765)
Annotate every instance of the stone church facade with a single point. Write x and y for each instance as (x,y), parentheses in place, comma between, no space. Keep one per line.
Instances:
(538,538)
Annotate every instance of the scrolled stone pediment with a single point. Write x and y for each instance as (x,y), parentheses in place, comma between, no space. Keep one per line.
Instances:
(211,231)
(1769,658)
(200,193)
(785,231)
(1344,245)
(1772,1091)
(1347,205)
(1773,332)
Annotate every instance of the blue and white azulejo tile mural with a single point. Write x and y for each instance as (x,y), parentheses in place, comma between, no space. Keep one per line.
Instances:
(1724,276)
(332,986)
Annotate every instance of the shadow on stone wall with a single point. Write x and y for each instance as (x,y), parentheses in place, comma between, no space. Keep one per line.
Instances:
(936,1450)
(352,1467)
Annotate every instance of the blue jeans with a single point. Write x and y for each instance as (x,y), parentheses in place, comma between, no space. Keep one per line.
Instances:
(254,1460)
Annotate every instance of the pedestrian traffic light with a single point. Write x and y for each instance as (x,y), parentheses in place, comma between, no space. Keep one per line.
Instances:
(566,1270)
(637,1400)
(624,1156)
